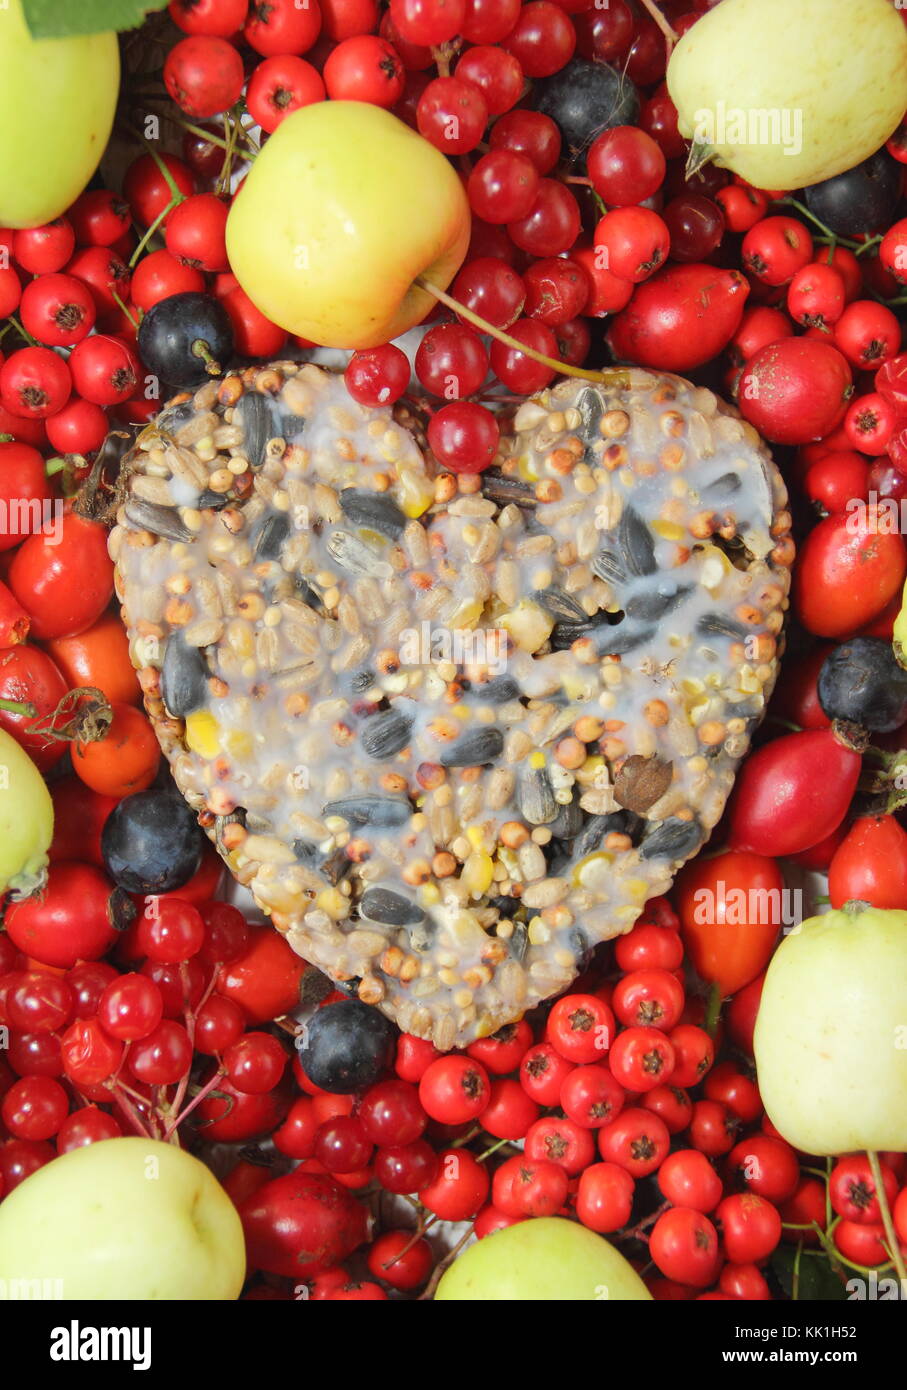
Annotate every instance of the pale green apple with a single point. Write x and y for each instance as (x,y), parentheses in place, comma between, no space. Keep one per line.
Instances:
(544,1259)
(124,1218)
(57,101)
(831,1033)
(343,209)
(789,92)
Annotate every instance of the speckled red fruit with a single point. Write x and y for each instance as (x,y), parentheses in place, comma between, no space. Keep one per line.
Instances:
(680,318)
(795,390)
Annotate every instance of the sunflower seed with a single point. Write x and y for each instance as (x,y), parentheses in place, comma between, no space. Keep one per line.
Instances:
(560,605)
(591,405)
(386,733)
(673,839)
(373,511)
(536,796)
(655,603)
(274,531)
(636,543)
(568,822)
(728,482)
(355,556)
(259,418)
(500,690)
(519,941)
(370,809)
(716,625)
(475,748)
(608,567)
(161,521)
(215,501)
(502,490)
(184,677)
(384,905)
(615,641)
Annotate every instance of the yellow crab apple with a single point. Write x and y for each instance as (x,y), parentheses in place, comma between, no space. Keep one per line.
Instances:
(343,209)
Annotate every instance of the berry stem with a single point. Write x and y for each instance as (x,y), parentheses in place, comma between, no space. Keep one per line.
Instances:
(162,167)
(209,1086)
(125,309)
(671,35)
(894,1248)
(610,376)
(18,707)
(150,231)
(203,350)
(713,1010)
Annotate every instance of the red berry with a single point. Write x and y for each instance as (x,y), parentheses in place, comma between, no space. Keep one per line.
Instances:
(99,217)
(280,86)
(58,310)
(365,68)
(79,428)
(42,250)
(452,115)
(160,275)
(196,232)
(34,383)
(204,75)
(218,18)
(377,376)
(625,165)
(148,192)
(462,436)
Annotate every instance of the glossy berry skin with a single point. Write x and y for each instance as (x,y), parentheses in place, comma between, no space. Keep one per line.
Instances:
(104,370)
(509,1112)
(868,334)
(849,569)
(399,1260)
(552,223)
(519,372)
(504,1050)
(147,191)
(43,250)
(529,1187)
(695,225)
(591,1096)
(604,1198)
(496,73)
(560,1141)
(131,1007)
(680,318)
(390,1113)
(346,1047)
(405,1168)
(427,23)
(687,1179)
(625,165)
(530,133)
(452,115)
(460,1187)
(792,793)
(684,1245)
(341,1145)
(34,1108)
(255,1063)
(750,1227)
(280,86)
(164,1056)
(377,376)
(492,289)
(454,1090)
(451,361)
(90,1055)
(365,68)
(173,932)
(34,383)
(641,1058)
(463,437)
(557,290)
(637,1141)
(196,232)
(502,186)
(179,334)
(542,1073)
(88,1125)
(203,75)
(775,249)
(58,310)
(581,1028)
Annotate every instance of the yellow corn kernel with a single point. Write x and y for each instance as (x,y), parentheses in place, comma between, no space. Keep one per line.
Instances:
(475,836)
(478,873)
(429,895)
(537,759)
(590,870)
(333,903)
(238,743)
(417,493)
(203,734)
(668,530)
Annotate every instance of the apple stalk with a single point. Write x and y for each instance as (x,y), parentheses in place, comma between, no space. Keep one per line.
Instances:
(618,377)
(890,1233)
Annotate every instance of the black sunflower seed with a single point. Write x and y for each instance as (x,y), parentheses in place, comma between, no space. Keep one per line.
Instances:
(498,691)
(560,605)
(654,603)
(673,839)
(716,625)
(307,594)
(728,482)
(371,809)
(213,501)
(333,866)
(272,534)
(160,521)
(498,488)
(392,909)
(386,733)
(563,635)
(615,641)
(597,827)
(259,418)
(372,510)
(636,543)
(519,941)
(579,945)
(568,822)
(360,681)
(608,567)
(536,796)
(505,906)
(591,405)
(475,748)
(184,677)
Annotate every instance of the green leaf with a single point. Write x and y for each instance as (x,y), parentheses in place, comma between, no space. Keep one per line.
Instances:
(817,1283)
(57,19)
